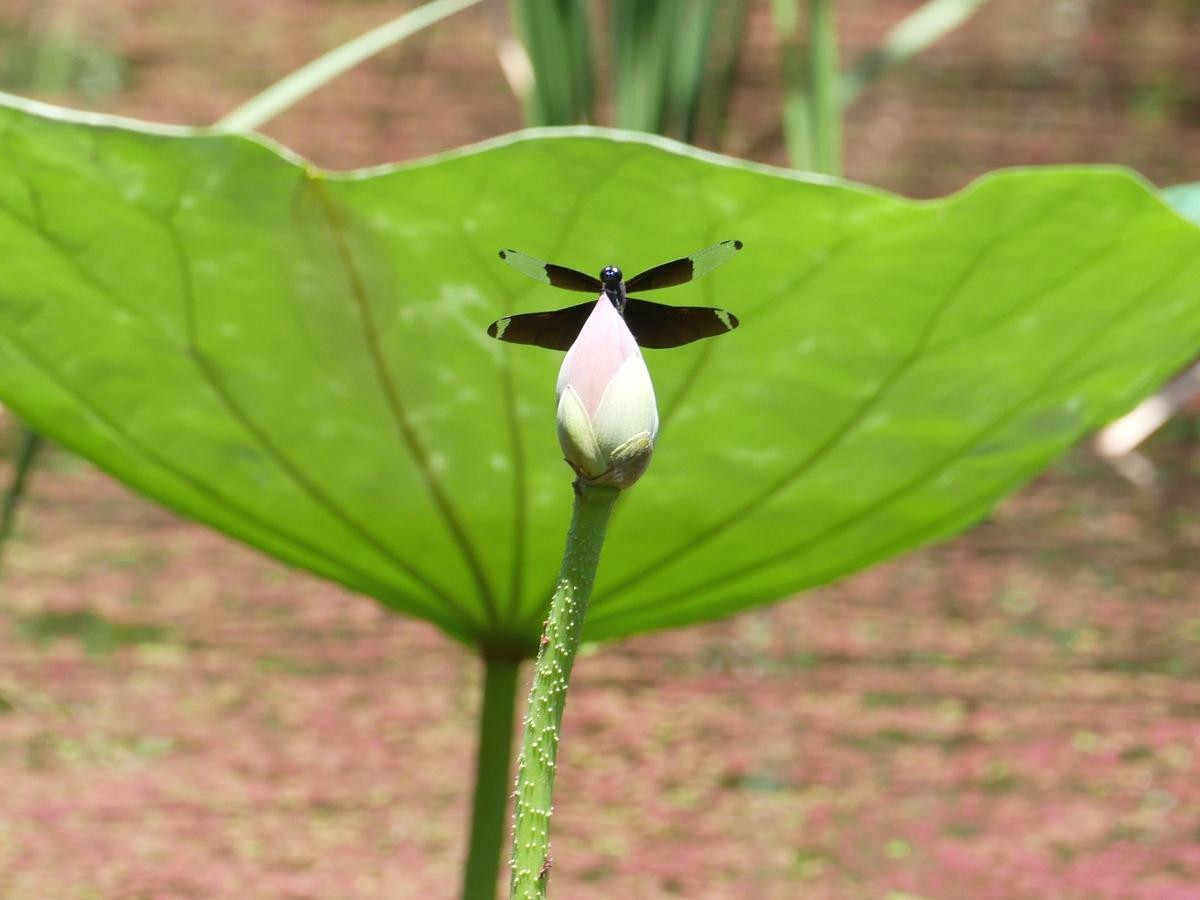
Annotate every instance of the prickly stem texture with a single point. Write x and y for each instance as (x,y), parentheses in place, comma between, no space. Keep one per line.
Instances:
(548,695)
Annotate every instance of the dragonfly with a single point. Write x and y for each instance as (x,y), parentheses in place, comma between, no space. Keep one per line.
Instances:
(654,325)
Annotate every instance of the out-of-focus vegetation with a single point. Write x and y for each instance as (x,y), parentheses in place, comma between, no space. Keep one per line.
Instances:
(672,65)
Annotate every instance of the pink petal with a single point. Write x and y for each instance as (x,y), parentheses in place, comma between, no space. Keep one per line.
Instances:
(604,343)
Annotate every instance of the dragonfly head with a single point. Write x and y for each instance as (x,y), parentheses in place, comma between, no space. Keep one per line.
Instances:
(610,276)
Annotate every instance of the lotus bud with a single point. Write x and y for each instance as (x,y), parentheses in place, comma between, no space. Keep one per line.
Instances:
(607,417)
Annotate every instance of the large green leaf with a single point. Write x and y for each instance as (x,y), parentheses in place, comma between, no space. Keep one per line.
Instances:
(298,358)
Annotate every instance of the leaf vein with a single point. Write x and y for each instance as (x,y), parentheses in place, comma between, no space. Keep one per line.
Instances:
(256,433)
(397,408)
(1046,385)
(352,577)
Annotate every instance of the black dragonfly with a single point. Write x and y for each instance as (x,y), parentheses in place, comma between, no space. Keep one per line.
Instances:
(654,325)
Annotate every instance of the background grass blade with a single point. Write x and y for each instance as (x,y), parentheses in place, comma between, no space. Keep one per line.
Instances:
(825,87)
(642,39)
(311,77)
(724,54)
(912,35)
(796,110)
(670,71)
(702,59)
(555,34)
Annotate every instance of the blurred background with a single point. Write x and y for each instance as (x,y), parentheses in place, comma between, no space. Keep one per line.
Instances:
(1019,82)
(1012,714)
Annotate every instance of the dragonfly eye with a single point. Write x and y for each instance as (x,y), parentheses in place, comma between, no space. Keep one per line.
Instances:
(610,275)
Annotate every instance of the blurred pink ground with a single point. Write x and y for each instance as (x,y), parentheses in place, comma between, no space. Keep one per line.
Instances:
(1013,715)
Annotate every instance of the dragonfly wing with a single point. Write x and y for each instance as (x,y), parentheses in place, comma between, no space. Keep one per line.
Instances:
(549,273)
(658,326)
(555,330)
(681,271)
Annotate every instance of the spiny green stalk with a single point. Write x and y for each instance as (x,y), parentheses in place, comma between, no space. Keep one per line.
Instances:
(548,696)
